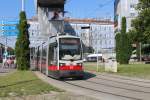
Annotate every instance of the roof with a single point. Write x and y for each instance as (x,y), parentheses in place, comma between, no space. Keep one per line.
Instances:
(98,21)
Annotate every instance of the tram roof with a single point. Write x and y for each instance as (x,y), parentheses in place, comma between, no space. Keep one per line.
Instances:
(67,36)
(64,36)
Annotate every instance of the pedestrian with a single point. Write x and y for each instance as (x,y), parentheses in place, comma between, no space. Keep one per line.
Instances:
(9,62)
(4,63)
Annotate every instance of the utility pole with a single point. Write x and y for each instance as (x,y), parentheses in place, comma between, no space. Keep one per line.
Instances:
(140,52)
(97,56)
(23,5)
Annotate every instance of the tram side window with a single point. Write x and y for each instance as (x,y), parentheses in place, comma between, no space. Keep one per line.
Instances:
(44,53)
(52,55)
(55,55)
(32,53)
(38,55)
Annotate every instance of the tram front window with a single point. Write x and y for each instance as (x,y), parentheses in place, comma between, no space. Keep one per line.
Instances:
(70,49)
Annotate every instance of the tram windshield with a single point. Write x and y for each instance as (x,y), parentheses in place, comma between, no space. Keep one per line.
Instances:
(69,49)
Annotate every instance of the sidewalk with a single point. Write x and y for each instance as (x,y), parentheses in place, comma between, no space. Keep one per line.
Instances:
(5,71)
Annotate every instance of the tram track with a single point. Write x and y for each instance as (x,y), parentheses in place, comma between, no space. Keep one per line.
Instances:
(124,78)
(128,83)
(99,88)
(124,85)
(95,90)
(124,82)
(134,90)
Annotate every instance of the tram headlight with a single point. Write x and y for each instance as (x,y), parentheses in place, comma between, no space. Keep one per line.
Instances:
(80,64)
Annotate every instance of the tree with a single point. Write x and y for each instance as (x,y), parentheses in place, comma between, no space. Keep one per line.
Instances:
(22,49)
(123,45)
(140,33)
(118,46)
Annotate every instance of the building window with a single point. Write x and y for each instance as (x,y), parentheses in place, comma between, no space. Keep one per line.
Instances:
(110,42)
(105,28)
(105,42)
(132,6)
(132,14)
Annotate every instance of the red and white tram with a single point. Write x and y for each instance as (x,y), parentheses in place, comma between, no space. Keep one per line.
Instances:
(60,57)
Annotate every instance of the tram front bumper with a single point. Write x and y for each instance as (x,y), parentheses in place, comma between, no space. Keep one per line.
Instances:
(71,74)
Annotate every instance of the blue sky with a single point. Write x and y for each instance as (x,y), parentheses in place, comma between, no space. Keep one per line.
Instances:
(11,8)
(75,8)
(90,8)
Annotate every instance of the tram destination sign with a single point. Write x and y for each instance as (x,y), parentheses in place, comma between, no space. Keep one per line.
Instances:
(69,41)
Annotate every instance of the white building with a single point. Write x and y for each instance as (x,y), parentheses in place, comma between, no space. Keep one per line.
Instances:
(98,34)
(34,32)
(125,8)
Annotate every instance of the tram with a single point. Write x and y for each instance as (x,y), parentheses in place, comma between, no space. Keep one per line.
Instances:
(60,57)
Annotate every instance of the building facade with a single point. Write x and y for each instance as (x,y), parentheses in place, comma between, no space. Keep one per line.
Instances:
(124,8)
(34,32)
(98,34)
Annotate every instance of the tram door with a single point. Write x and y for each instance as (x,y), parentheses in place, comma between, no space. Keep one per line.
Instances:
(44,56)
(52,58)
(40,58)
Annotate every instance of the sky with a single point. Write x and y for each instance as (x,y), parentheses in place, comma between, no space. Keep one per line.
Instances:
(11,8)
(90,8)
(74,8)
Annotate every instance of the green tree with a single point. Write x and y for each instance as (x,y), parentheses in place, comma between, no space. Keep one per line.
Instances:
(140,33)
(123,45)
(118,46)
(22,49)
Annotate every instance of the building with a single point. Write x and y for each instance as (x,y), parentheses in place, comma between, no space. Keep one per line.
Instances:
(34,32)
(98,34)
(124,8)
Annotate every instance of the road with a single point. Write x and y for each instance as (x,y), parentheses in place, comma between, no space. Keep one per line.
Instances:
(104,86)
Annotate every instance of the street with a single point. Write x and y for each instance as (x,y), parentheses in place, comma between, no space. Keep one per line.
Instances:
(104,86)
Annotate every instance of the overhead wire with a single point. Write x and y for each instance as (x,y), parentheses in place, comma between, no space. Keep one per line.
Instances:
(101,6)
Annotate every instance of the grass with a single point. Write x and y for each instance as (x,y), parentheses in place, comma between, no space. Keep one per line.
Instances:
(132,70)
(135,70)
(92,66)
(21,83)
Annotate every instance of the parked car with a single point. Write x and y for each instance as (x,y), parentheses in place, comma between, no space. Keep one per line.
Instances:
(133,57)
(146,58)
(93,57)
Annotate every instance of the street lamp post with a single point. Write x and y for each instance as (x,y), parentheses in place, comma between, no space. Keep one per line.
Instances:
(140,52)
(97,56)
(91,31)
